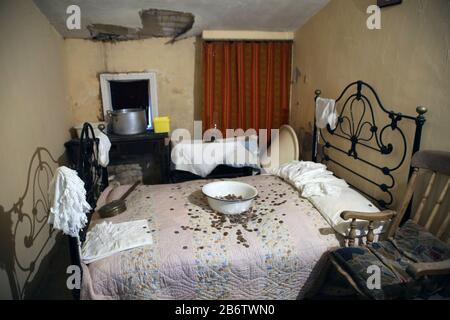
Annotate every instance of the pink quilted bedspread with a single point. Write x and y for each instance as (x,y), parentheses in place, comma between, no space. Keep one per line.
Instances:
(272,252)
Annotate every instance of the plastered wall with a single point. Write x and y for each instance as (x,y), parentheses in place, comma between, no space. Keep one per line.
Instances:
(34,113)
(173,63)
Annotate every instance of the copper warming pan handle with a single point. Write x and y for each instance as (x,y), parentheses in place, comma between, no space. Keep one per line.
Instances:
(117,206)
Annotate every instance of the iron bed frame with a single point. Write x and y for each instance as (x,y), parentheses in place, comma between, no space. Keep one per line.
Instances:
(365,133)
(91,172)
(95,181)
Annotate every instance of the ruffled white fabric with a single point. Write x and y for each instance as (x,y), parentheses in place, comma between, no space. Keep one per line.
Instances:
(104,146)
(68,199)
(310,178)
(106,239)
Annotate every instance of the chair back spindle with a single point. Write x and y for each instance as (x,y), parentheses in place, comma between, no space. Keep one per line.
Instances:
(444,226)
(423,201)
(437,205)
(395,223)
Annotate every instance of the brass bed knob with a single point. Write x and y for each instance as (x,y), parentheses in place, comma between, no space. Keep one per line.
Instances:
(421,110)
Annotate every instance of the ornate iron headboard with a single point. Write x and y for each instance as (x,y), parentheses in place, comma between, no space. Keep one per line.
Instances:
(362,132)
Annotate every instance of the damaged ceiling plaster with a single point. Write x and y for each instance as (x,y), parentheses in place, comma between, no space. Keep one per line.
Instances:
(112,20)
(155,23)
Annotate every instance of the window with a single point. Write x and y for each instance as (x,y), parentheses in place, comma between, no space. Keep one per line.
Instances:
(129,91)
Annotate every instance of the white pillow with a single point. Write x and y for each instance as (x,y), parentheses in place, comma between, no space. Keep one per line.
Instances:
(331,207)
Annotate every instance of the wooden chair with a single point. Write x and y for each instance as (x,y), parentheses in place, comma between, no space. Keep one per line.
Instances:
(412,261)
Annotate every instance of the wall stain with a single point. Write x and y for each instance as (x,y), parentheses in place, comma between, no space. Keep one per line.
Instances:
(177,91)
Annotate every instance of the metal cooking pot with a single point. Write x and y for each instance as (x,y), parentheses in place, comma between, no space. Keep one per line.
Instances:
(128,121)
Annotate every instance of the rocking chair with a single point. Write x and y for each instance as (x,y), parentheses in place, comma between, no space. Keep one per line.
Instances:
(413,260)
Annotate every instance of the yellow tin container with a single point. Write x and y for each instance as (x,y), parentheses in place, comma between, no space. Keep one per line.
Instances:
(161,124)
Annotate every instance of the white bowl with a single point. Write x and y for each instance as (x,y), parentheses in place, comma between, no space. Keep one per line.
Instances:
(216,191)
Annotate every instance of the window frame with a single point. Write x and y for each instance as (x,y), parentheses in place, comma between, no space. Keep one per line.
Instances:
(105,87)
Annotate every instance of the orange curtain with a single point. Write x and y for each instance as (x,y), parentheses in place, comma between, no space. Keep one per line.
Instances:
(226,87)
(241,92)
(255,86)
(246,84)
(269,87)
(208,101)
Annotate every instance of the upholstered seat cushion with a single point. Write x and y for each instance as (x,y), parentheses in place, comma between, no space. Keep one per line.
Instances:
(358,261)
(412,243)
(420,245)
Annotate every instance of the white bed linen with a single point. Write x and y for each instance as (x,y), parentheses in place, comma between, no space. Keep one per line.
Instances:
(202,158)
(330,195)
